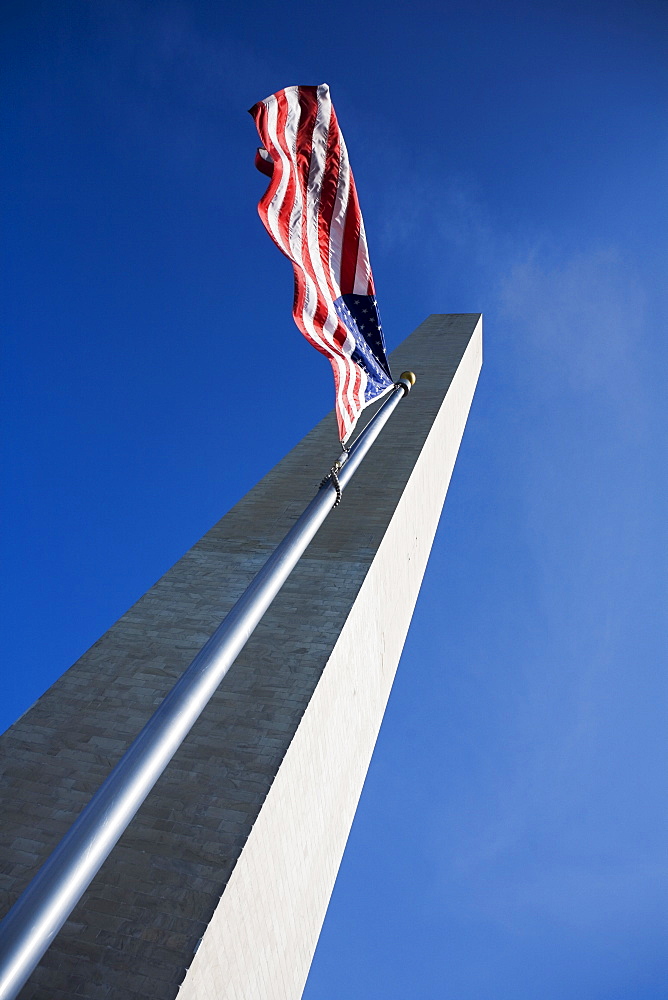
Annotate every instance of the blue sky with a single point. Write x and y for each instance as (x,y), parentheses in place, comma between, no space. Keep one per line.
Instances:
(510,158)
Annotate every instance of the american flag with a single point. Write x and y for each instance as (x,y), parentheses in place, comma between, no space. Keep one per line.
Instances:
(311,211)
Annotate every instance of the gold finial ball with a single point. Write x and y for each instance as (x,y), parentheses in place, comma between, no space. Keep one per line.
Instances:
(409,376)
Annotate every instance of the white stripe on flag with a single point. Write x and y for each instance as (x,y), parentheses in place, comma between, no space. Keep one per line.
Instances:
(363,268)
(314,188)
(339,217)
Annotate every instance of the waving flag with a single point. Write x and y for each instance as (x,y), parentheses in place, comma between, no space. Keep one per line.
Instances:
(311,211)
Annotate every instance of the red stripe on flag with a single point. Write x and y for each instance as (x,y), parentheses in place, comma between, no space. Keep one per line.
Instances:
(351,240)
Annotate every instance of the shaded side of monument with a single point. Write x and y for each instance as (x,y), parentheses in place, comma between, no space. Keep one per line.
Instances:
(219,887)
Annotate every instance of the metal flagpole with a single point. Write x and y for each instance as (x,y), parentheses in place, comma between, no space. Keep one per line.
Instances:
(42,909)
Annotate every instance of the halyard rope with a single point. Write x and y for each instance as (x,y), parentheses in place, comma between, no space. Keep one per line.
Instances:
(333,477)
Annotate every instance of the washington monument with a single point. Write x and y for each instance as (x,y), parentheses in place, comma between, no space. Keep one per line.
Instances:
(219,886)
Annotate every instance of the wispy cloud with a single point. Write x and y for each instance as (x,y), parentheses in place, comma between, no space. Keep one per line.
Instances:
(580,317)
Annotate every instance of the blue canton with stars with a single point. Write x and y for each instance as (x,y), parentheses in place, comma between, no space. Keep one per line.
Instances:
(359,315)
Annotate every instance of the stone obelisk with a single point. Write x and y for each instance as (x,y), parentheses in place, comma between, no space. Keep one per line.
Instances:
(218,889)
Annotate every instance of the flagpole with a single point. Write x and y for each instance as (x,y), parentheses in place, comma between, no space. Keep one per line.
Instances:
(39,913)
